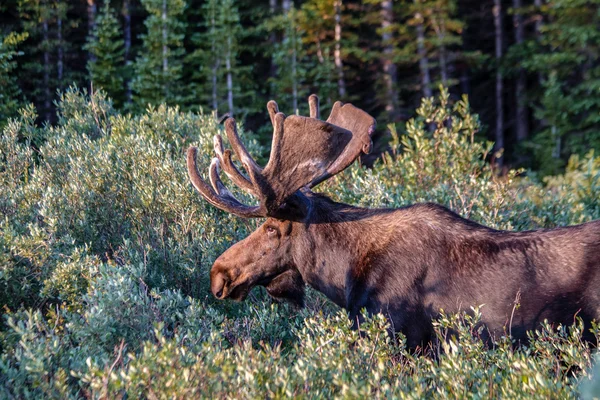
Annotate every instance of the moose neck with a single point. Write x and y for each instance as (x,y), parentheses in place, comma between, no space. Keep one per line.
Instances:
(326,249)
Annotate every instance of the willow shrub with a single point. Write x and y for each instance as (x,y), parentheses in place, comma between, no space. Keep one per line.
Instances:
(105,252)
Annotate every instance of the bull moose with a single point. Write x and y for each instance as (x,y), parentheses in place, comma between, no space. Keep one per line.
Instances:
(407,263)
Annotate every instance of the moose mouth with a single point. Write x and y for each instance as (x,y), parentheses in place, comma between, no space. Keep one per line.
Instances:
(231,290)
(238,291)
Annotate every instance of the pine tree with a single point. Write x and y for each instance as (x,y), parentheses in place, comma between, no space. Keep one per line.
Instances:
(106,45)
(38,20)
(390,74)
(289,59)
(327,36)
(499,36)
(230,25)
(11,97)
(439,40)
(521,122)
(219,81)
(126,13)
(62,46)
(158,68)
(566,55)
(205,60)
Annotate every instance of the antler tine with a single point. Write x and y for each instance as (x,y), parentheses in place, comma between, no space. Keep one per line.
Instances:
(313,104)
(229,167)
(219,196)
(273,109)
(278,121)
(215,179)
(252,168)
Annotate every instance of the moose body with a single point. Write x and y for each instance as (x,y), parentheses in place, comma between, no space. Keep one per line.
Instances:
(407,263)
(410,263)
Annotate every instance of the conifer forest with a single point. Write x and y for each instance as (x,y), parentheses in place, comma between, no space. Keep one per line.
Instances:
(530,66)
(490,108)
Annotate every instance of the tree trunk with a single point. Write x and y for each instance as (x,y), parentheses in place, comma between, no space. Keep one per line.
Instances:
(337,54)
(543,123)
(215,103)
(294,73)
(320,56)
(423,60)
(464,82)
(538,21)
(215,65)
(127,44)
(47,93)
(441,34)
(499,83)
(521,84)
(538,30)
(272,39)
(229,77)
(165,49)
(390,74)
(61,50)
(286,6)
(91,14)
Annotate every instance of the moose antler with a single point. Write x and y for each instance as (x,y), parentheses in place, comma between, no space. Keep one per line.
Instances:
(304,152)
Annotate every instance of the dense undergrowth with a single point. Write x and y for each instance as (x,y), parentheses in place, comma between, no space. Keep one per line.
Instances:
(105,250)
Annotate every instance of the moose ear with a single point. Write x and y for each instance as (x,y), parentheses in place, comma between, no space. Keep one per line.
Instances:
(295,208)
(288,286)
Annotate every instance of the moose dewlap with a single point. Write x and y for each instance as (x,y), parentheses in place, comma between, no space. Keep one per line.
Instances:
(407,263)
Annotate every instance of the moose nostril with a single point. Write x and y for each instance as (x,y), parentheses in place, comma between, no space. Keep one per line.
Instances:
(219,293)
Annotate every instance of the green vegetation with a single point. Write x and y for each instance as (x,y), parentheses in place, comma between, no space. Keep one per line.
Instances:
(106,67)
(158,67)
(105,251)
(11,96)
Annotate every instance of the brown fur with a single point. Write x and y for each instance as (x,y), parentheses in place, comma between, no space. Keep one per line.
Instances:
(410,263)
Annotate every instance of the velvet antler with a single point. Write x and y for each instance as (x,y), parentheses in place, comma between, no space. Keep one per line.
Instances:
(304,152)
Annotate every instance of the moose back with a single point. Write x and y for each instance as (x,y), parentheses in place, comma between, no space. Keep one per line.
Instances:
(407,263)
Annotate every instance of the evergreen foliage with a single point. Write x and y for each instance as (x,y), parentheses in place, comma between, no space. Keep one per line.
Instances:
(37,19)
(11,96)
(567,58)
(107,68)
(221,81)
(289,58)
(158,67)
(384,55)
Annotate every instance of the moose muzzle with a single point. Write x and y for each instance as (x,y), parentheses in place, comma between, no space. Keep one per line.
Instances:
(218,282)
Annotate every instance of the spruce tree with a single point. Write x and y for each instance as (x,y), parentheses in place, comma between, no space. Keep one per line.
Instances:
(289,59)
(317,20)
(219,80)
(106,68)
(158,68)
(204,62)
(38,18)
(566,56)
(11,97)
(230,23)
(438,30)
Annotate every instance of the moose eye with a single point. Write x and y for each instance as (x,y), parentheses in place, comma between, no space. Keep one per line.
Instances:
(271,231)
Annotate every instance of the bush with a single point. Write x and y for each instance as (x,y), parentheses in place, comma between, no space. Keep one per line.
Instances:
(105,252)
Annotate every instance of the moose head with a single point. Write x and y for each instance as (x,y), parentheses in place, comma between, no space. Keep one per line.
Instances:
(305,151)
